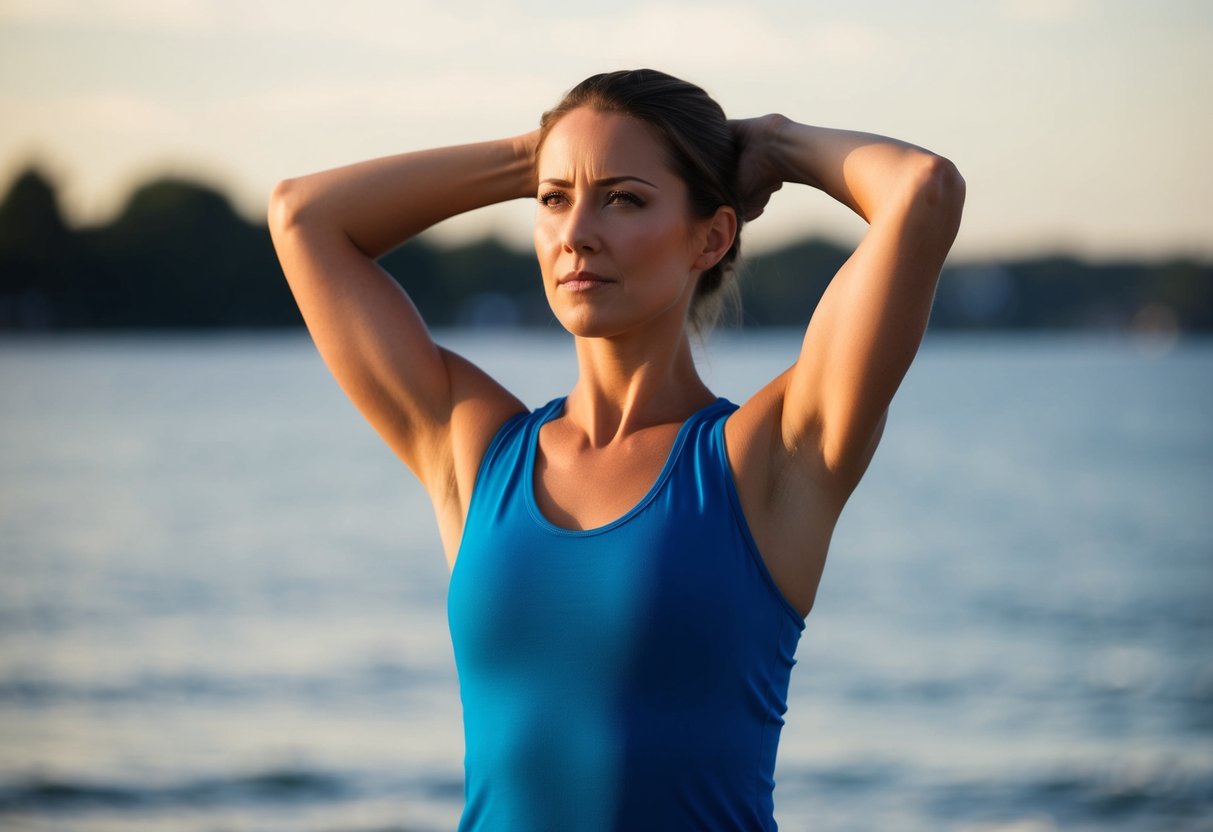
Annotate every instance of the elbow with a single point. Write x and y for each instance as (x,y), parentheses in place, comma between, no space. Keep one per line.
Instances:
(284,206)
(947,183)
(931,197)
(295,203)
(941,189)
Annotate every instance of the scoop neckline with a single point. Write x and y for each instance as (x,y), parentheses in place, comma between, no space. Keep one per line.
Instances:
(554,409)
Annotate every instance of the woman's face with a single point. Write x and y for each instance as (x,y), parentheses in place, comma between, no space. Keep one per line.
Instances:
(616,243)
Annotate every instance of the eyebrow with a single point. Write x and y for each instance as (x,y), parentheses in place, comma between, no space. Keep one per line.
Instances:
(601,183)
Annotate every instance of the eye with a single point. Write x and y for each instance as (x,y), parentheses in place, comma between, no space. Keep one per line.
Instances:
(551,199)
(624,198)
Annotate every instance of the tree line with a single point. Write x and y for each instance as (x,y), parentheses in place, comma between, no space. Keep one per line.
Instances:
(179,256)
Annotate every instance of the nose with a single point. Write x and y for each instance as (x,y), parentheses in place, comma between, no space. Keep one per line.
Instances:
(580,232)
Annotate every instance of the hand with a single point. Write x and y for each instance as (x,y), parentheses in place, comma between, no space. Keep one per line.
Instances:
(758,172)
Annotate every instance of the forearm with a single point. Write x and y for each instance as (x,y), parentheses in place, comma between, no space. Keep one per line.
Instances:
(380,203)
(873,175)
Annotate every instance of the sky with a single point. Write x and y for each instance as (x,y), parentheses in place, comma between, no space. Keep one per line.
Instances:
(1080,126)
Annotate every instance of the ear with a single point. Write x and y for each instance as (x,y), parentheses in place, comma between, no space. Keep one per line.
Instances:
(716,237)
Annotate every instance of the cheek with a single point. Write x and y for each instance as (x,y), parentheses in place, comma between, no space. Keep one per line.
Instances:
(546,244)
(660,240)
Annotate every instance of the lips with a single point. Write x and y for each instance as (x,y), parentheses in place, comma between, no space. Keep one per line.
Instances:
(582,281)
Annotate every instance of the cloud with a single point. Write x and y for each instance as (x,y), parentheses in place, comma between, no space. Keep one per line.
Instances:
(444,97)
(176,14)
(484,34)
(710,37)
(107,111)
(418,27)
(1045,11)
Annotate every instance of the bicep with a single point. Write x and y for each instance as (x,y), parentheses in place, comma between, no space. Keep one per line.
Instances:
(377,346)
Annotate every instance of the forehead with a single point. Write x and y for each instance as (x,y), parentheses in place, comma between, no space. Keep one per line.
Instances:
(596,144)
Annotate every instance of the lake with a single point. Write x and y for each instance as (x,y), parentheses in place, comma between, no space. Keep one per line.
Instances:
(223,600)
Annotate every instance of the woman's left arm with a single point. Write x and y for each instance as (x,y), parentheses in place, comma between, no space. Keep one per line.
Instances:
(871,319)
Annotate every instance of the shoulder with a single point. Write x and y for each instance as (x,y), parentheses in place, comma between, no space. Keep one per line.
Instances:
(754,432)
(763,448)
(511,437)
(786,497)
(480,407)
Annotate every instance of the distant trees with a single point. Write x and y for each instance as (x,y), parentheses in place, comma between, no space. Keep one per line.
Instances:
(178,255)
(37,253)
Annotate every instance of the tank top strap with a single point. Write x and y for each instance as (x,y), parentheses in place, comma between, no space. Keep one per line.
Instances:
(702,458)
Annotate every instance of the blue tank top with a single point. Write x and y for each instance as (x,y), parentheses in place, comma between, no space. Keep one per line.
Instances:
(628,677)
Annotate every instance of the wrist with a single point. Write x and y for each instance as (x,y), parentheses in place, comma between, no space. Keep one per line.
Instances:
(523,149)
(792,146)
(779,142)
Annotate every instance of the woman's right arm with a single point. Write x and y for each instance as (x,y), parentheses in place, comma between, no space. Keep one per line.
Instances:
(436,411)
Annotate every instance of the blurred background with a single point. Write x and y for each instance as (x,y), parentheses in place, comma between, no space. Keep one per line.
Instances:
(222,600)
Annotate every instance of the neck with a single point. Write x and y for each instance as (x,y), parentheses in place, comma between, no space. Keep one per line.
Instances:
(625,385)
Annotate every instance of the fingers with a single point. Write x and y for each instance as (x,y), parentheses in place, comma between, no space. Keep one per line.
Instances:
(758,177)
(756,203)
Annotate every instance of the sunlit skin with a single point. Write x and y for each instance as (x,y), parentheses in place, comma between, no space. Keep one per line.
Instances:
(620,254)
(617,245)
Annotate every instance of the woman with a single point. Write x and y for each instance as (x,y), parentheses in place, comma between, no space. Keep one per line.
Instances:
(631,563)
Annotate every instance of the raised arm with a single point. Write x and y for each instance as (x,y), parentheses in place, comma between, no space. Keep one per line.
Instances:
(871,319)
(435,410)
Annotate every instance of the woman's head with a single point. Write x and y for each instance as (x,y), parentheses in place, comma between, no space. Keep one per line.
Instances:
(700,146)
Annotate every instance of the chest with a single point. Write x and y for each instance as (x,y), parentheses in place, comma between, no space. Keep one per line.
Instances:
(668,595)
(580,487)
(669,585)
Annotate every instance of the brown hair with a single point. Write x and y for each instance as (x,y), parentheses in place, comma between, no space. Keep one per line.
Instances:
(701,147)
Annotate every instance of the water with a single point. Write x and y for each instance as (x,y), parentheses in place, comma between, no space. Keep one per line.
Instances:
(222,602)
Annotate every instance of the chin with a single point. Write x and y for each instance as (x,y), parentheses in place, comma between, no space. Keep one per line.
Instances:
(599,323)
(581,325)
